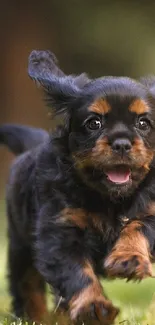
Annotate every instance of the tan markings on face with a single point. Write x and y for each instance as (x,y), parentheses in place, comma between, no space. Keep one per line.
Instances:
(95,157)
(140,157)
(100,106)
(141,154)
(101,148)
(139,107)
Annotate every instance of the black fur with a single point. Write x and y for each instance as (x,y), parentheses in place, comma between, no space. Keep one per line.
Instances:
(56,175)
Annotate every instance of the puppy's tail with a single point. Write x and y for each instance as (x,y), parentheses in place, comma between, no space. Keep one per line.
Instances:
(20,138)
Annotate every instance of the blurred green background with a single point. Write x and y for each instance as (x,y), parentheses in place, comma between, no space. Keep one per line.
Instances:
(98,37)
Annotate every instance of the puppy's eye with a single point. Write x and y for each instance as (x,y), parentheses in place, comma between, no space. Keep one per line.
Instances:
(94,124)
(143,124)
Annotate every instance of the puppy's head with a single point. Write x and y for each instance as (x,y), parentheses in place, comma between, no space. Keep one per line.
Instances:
(111,128)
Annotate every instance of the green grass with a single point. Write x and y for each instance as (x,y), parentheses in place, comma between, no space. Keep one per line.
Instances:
(137,301)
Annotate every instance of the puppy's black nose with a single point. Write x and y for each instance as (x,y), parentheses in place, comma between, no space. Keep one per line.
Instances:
(121,145)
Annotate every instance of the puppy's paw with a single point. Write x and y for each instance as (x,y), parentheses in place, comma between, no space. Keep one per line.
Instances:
(130,265)
(99,311)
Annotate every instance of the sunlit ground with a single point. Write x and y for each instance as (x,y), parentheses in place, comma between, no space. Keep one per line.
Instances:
(137,301)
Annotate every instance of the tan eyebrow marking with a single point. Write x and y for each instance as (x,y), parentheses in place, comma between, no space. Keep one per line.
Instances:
(139,107)
(100,106)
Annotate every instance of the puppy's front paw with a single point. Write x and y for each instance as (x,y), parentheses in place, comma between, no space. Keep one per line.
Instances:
(126,264)
(99,310)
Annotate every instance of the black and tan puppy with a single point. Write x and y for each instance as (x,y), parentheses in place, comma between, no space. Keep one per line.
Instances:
(82,203)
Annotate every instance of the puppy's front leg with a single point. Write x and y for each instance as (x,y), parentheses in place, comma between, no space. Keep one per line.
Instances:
(131,255)
(65,265)
(90,301)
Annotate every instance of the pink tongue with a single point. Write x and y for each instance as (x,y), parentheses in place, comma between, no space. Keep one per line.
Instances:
(119,176)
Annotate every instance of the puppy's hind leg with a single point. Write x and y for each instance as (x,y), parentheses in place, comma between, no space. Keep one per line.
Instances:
(26,285)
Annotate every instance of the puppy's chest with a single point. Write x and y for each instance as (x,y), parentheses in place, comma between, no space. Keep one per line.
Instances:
(101,233)
(100,223)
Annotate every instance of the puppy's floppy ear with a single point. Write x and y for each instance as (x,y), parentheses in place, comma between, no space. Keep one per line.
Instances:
(149,83)
(43,64)
(61,91)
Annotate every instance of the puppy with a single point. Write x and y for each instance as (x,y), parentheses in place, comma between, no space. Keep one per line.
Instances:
(82,203)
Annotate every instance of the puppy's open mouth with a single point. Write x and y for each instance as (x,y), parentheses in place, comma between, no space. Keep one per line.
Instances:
(119,174)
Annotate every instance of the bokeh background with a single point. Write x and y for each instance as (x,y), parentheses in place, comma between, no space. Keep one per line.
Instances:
(98,37)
